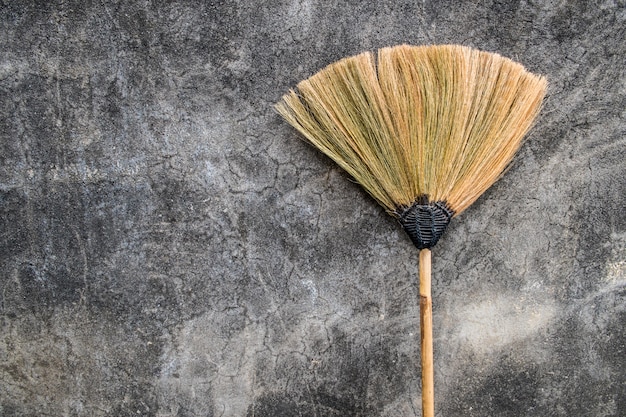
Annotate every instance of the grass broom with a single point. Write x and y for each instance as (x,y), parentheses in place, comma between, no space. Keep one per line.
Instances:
(425,130)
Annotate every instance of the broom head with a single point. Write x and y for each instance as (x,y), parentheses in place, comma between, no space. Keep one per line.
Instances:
(424,129)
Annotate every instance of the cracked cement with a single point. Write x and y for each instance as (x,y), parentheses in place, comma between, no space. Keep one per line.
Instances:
(170,247)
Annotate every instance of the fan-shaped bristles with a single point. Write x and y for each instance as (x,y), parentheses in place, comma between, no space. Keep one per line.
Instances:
(436,121)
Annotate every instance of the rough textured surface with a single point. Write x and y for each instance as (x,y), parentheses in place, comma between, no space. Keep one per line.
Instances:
(169,247)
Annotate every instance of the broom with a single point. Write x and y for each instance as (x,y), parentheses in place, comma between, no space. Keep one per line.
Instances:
(425,130)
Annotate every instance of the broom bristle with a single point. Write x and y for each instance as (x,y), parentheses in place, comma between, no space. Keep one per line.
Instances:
(419,124)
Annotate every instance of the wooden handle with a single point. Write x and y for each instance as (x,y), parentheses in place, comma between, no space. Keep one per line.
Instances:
(426,333)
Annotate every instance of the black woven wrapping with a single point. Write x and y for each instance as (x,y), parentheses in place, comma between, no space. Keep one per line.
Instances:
(425,221)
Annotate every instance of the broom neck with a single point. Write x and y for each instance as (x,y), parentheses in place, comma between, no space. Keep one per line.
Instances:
(424,221)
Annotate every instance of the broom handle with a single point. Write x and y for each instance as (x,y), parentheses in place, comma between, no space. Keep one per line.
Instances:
(426,333)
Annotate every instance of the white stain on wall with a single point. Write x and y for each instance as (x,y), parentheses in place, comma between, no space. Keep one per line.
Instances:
(491,324)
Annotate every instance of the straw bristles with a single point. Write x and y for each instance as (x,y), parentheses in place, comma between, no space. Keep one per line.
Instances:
(436,121)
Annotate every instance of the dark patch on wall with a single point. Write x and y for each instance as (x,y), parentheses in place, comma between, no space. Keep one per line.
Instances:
(512,391)
(588,377)
(312,405)
(570,20)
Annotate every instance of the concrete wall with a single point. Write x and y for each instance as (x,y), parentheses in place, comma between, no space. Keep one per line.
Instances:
(170,247)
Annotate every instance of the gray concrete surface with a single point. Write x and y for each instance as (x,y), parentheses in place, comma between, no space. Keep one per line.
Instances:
(170,247)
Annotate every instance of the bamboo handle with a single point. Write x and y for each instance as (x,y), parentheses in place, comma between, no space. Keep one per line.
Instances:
(426,333)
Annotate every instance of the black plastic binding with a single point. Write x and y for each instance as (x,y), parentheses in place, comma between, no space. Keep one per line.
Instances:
(425,221)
